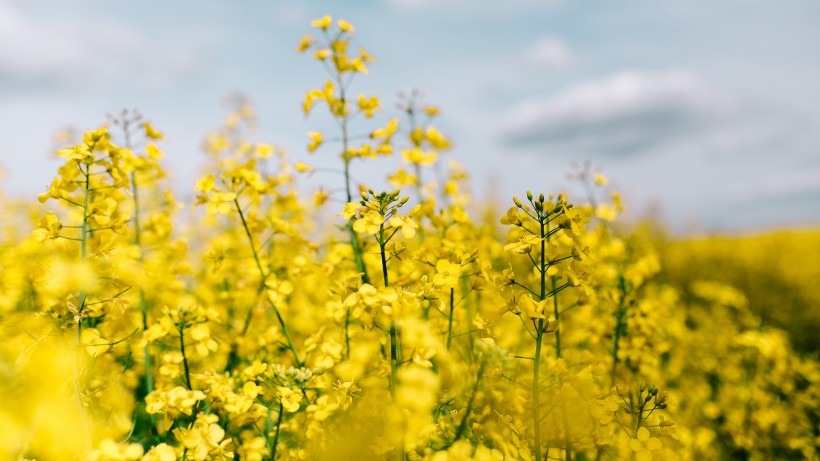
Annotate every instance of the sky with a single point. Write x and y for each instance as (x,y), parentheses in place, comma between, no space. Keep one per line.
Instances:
(704,113)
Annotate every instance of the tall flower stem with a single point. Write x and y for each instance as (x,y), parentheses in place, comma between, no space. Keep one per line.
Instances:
(184,357)
(394,347)
(539,335)
(264,278)
(272,445)
(620,326)
(450,320)
(148,377)
(556,315)
(393,332)
(354,237)
(84,230)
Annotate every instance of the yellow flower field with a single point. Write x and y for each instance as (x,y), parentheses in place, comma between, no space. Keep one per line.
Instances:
(412,323)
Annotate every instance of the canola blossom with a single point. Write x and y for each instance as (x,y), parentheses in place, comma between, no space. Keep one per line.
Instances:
(358,324)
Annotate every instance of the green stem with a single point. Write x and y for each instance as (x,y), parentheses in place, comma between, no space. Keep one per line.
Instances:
(619,327)
(354,238)
(82,298)
(394,347)
(84,229)
(462,427)
(394,358)
(184,358)
(272,446)
(264,278)
(250,239)
(358,257)
(347,333)
(285,333)
(149,381)
(536,391)
(394,335)
(545,236)
(542,268)
(555,313)
(450,323)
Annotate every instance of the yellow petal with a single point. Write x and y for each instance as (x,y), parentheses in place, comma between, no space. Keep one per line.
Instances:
(643,434)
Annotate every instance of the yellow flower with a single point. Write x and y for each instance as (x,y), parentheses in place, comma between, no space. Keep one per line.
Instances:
(368,105)
(305,43)
(151,133)
(418,156)
(436,139)
(387,131)
(264,150)
(345,26)
(153,152)
(370,224)
(110,450)
(322,23)
(350,209)
(93,342)
(289,398)
(644,444)
(431,111)
(161,452)
(303,167)
(365,56)
(205,184)
(80,153)
(204,439)
(322,54)
(524,245)
(315,140)
(178,400)
(407,225)
(221,202)
(606,212)
(402,178)
(447,274)
(534,309)
(47,228)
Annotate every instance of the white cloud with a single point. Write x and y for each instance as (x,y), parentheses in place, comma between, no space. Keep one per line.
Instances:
(38,55)
(548,53)
(626,112)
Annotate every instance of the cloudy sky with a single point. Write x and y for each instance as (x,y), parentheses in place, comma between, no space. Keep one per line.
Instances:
(709,111)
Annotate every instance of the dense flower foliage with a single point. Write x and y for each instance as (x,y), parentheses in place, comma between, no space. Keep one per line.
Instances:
(406,324)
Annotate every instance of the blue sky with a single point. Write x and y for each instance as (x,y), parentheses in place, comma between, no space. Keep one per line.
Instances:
(709,110)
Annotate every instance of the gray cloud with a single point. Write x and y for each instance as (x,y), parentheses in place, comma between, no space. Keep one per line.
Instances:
(36,56)
(628,112)
(466,6)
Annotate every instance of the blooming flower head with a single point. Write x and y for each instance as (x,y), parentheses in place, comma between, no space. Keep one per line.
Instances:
(447,274)
(644,444)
